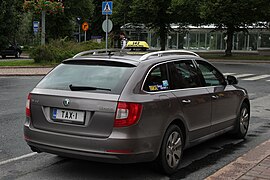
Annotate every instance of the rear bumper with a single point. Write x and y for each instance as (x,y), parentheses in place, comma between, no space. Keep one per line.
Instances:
(110,150)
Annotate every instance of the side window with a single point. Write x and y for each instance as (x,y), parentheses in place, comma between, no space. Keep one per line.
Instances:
(210,75)
(184,75)
(157,79)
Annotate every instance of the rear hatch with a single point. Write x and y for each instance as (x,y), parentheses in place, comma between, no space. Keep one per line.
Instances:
(80,97)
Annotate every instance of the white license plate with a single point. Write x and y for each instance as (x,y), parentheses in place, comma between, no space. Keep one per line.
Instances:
(68,115)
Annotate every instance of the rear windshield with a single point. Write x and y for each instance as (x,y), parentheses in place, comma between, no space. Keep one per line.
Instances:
(105,78)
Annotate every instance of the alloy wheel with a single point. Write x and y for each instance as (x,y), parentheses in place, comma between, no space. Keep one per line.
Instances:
(244,120)
(174,149)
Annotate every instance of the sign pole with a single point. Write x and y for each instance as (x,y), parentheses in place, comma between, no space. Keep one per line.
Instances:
(107,33)
(84,36)
(43,14)
(79,33)
(107,10)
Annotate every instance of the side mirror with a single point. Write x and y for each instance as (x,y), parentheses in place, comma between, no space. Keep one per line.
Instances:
(232,80)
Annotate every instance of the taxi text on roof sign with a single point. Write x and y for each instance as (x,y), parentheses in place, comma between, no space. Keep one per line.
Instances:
(138,44)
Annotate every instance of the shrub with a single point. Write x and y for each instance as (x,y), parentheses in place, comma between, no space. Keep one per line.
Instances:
(59,50)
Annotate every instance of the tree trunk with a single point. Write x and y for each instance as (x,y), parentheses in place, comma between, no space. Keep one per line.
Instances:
(162,34)
(229,41)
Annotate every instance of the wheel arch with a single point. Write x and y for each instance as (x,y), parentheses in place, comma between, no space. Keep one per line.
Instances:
(245,101)
(182,126)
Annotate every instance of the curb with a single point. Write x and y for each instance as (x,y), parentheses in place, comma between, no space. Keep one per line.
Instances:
(243,164)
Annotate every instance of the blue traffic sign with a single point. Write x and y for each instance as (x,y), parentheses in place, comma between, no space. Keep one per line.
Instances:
(107,7)
(35,26)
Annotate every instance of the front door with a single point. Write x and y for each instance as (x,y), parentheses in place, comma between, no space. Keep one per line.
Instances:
(193,99)
(224,99)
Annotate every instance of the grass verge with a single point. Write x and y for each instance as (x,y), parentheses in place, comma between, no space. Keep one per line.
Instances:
(17,62)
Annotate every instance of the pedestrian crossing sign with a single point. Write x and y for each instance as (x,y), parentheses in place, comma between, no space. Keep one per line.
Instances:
(107,7)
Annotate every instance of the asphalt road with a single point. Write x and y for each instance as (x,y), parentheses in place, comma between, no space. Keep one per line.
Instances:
(198,162)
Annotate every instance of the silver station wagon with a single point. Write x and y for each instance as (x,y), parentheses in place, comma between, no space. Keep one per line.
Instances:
(119,108)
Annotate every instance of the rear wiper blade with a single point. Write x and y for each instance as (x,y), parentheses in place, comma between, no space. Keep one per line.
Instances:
(85,88)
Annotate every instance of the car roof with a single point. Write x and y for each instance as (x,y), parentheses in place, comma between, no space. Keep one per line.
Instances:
(133,59)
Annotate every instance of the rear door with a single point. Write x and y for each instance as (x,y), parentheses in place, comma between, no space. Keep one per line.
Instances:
(79,99)
(194,100)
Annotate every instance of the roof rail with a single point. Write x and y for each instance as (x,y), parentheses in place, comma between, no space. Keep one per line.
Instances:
(108,52)
(160,53)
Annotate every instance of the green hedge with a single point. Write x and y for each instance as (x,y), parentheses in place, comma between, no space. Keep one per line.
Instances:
(58,50)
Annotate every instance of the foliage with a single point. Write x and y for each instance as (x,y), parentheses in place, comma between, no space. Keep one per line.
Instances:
(59,50)
(121,15)
(154,14)
(96,19)
(10,11)
(37,6)
(25,31)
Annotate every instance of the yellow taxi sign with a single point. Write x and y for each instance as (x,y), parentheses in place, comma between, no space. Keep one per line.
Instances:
(137,44)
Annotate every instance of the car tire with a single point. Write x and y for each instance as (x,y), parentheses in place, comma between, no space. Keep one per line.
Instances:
(241,127)
(18,54)
(3,56)
(171,150)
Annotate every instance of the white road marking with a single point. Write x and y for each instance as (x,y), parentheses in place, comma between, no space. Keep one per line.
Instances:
(243,75)
(227,74)
(17,158)
(256,77)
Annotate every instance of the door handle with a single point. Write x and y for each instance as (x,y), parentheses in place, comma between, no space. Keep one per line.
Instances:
(186,101)
(215,96)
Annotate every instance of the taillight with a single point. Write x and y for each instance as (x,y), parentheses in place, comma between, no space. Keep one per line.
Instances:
(127,114)
(28,110)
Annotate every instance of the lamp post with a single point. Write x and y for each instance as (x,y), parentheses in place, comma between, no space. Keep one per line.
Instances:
(79,35)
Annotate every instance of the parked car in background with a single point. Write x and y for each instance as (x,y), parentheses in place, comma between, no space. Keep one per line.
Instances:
(11,50)
(120,108)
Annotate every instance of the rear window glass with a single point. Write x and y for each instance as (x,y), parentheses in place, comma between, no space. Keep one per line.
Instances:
(90,78)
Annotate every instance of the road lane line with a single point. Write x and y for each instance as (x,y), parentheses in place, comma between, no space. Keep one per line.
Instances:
(243,75)
(257,77)
(17,158)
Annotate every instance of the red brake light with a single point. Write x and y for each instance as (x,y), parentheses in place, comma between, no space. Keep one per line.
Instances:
(28,110)
(127,114)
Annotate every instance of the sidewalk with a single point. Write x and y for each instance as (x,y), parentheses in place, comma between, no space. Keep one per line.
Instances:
(255,164)
(24,71)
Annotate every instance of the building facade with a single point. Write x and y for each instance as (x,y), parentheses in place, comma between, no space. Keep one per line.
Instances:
(201,38)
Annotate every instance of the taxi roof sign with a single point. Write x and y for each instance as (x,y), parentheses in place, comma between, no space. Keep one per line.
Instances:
(137,44)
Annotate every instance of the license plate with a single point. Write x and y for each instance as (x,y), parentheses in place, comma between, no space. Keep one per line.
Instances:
(68,115)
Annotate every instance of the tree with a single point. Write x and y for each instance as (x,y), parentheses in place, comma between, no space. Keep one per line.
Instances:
(9,17)
(234,16)
(121,15)
(76,12)
(160,14)
(154,14)
(62,24)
